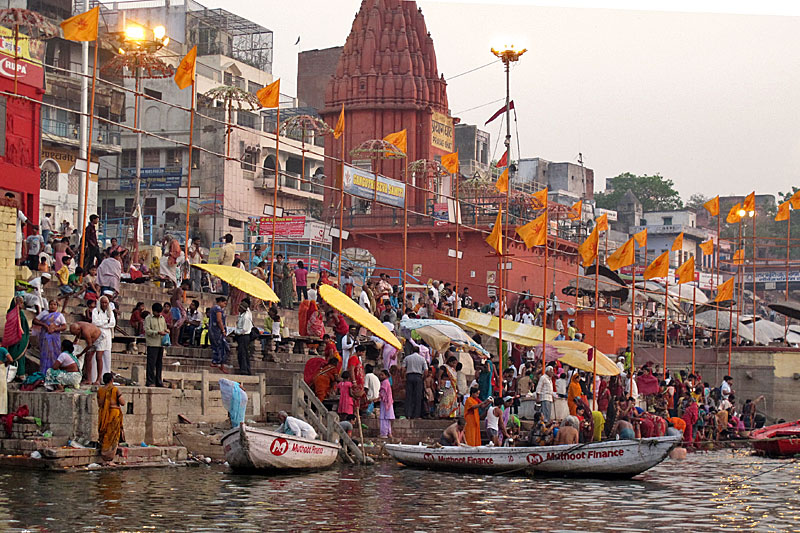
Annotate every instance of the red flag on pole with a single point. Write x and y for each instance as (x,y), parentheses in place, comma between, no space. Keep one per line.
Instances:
(503,160)
(501,111)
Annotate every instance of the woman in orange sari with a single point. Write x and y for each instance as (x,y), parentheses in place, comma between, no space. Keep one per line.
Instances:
(573,392)
(472,416)
(325,378)
(110,402)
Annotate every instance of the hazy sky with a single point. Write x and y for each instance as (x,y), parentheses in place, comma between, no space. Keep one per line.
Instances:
(708,100)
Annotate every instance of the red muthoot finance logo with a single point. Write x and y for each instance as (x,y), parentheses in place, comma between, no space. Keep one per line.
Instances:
(534,458)
(279,446)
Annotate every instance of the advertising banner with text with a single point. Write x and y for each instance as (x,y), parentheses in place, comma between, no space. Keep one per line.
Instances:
(367,185)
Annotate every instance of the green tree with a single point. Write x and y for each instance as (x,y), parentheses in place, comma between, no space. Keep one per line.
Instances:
(655,192)
(696,201)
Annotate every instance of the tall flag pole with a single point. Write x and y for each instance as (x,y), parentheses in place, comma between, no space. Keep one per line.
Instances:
(724,294)
(269,97)
(732,218)
(659,268)
(712,206)
(576,213)
(85,27)
(400,140)
(589,251)
(534,233)
(685,274)
(624,256)
(495,240)
(749,205)
(784,213)
(185,75)
(338,132)
(450,164)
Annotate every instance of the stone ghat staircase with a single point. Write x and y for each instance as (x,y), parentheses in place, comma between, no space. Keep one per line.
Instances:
(184,366)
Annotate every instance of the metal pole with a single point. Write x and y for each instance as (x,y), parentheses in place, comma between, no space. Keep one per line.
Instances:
(405,224)
(596,325)
(666,309)
(189,173)
(544,287)
(275,194)
(694,325)
(730,338)
(786,318)
(137,198)
(755,305)
(88,152)
(341,211)
(458,224)
(739,283)
(715,284)
(84,125)
(508,187)
(500,313)
(633,315)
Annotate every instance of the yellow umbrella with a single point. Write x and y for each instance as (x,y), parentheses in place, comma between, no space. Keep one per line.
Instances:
(339,301)
(242,280)
(576,355)
(515,332)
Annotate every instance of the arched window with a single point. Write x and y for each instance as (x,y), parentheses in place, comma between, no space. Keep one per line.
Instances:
(49,176)
(269,163)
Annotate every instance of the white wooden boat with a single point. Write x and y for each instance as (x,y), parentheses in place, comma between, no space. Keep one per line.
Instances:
(261,450)
(608,459)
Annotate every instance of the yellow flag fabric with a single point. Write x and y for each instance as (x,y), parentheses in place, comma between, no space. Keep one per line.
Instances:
(750,202)
(795,200)
(184,76)
(712,206)
(539,199)
(641,238)
(534,233)
(659,268)
(399,139)
(707,247)
(82,27)
(733,215)
(738,257)
(495,238)
(450,162)
(622,256)
(339,129)
(685,272)
(502,182)
(576,211)
(677,244)
(270,95)
(602,222)
(588,249)
(783,211)
(725,291)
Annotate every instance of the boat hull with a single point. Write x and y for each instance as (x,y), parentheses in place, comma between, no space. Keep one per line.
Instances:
(610,459)
(249,449)
(779,440)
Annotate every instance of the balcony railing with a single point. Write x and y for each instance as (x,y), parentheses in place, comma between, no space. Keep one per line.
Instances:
(265,179)
(102,132)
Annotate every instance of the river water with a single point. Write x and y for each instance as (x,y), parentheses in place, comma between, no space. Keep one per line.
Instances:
(706,492)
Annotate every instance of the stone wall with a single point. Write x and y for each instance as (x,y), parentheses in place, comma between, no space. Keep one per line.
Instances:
(8,240)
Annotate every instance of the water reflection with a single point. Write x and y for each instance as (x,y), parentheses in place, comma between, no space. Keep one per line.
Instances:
(712,491)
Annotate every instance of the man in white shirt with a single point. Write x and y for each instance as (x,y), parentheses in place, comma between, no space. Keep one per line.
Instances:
(544,393)
(725,389)
(47,227)
(559,325)
(363,299)
(527,317)
(435,289)
(21,220)
(312,293)
(373,386)
(294,426)
(244,325)
(415,366)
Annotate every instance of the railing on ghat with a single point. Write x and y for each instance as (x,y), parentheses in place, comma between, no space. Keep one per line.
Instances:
(307,406)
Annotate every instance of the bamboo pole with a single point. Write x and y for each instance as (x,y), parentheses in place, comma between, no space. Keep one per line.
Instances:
(694,325)
(755,305)
(544,287)
(275,194)
(89,156)
(458,227)
(341,212)
(666,324)
(786,318)
(189,173)
(596,325)
(405,223)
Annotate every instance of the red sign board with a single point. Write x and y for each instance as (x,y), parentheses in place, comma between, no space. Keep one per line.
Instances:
(293,226)
(27,73)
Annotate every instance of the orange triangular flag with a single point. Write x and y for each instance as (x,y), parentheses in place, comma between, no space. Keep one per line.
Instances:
(270,95)
(601,222)
(677,244)
(623,256)
(685,272)
(502,181)
(783,211)
(733,215)
(82,27)
(641,238)
(399,139)
(576,211)
(495,238)
(184,75)
(725,291)
(795,199)
(738,257)
(539,199)
(588,249)
(659,268)
(450,162)
(707,247)
(534,233)
(712,206)
(750,202)
(339,129)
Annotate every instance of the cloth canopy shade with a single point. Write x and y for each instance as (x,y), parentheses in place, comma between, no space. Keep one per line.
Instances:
(790,309)
(439,334)
(342,303)
(242,280)
(515,332)
(766,331)
(576,355)
(687,292)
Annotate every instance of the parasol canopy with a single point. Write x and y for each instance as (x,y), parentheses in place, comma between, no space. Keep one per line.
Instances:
(339,301)
(688,293)
(766,331)
(790,309)
(439,334)
(576,355)
(515,332)
(242,280)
